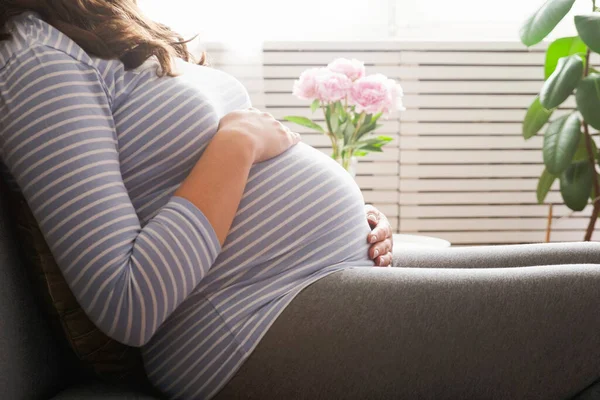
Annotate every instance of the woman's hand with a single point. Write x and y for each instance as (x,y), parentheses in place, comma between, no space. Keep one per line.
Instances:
(267,136)
(380,237)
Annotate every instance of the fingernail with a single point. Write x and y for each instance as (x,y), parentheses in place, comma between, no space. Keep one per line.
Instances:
(373,239)
(380,262)
(372,218)
(376,253)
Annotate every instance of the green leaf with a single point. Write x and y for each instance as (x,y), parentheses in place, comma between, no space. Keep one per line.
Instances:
(535,119)
(364,129)
(328,118)
(561,48)
(588,99)
(369,125)
(360,153)
(576,185)
(588,27)
(315,104)
(581,153)
(373,141)
(560,142)
(303,121)
(372,148)
(368,119)
(562,82)
(339,112)
(543,21)
(544,185)
(334,123)
(348,131)
(369,144)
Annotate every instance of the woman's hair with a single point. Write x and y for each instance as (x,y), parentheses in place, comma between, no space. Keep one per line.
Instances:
(109,29)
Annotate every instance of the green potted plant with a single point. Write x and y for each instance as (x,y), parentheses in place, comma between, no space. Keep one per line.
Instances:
(569,151)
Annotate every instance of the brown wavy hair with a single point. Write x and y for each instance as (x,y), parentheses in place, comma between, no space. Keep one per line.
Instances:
(109,29)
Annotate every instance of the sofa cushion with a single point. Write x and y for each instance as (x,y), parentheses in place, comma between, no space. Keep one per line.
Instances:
(99,391)
(32,365)
(110,360)
(592,392)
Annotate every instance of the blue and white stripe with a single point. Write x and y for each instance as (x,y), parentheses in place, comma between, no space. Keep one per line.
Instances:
(98,153)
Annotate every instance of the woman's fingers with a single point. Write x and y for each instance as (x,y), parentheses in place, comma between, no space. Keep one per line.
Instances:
(373,218)
(381,248)
(380,237)
(384,260)
(373,215)
(382,231)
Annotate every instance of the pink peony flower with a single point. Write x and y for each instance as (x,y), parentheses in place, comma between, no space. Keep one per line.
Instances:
(332,86)
(376,93)
(306,87)
(395,100)
(353,69)
(371,94)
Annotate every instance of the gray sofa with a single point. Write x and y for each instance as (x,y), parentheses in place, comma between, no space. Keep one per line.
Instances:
(34,365)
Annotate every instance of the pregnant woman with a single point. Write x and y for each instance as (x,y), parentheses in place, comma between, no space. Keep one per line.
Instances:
(199,229)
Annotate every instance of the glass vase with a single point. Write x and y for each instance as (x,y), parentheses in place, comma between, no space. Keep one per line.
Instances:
(349,165)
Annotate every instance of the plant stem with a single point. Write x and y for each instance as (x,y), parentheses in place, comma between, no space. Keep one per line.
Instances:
(592,159)
(596,210)
(549,223)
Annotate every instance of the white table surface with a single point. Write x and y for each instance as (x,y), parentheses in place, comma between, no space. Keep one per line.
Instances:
(402,241)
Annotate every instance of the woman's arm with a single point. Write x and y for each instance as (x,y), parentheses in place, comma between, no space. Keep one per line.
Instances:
(244,137)
(224,168)
(59,143)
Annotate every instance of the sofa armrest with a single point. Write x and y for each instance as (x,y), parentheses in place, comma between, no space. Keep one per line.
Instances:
(505,256)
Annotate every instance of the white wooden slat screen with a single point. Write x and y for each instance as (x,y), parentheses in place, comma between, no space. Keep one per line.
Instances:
(270,87)
(458,167)
(466,174)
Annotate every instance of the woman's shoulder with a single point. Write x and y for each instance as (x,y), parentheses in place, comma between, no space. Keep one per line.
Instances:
(28,30)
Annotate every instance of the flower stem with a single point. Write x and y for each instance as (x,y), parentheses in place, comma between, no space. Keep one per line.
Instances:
(347,154)
(331,135)
(346,163)
(361,120)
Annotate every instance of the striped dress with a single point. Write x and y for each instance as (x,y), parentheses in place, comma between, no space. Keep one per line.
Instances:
(98,152)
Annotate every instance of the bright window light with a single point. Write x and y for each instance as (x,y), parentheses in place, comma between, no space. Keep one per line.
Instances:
(242,20)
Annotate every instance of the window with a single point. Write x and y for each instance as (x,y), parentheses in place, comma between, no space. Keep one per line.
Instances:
(239,20)
(472,19)
(232,20)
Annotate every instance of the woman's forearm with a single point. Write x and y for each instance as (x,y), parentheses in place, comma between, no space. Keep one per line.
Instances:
(216,183)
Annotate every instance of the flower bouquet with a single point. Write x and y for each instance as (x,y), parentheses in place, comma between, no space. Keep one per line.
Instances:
(352,104)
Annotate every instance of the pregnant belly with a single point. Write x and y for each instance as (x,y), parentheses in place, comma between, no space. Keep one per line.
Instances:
(300,213)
